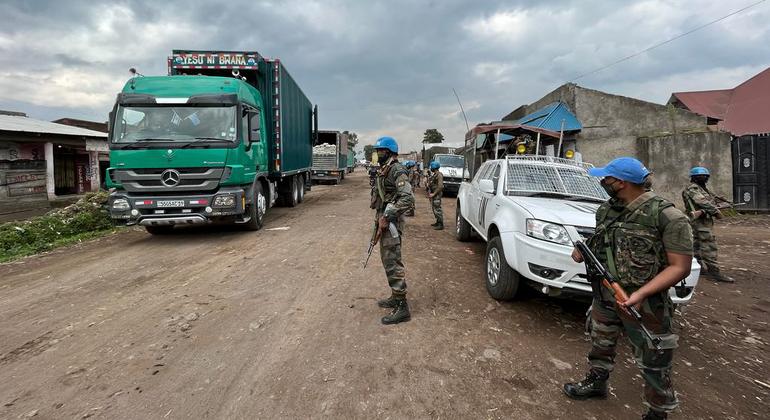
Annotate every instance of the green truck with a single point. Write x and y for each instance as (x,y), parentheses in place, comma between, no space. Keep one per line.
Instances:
(223,138)
(351,159)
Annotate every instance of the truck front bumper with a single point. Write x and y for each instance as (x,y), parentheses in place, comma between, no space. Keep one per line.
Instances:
(149,210)
(550,265)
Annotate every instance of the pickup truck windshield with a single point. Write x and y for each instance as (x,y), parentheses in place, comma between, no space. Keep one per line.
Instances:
(451,161)
(541,179)
(174,124)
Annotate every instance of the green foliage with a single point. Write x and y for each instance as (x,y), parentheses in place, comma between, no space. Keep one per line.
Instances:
(81,220)
(352,139)
(432,135)
(368,150)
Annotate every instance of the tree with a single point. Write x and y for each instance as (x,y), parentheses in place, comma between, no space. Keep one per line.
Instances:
(368,150)
(352,139)
(432,135)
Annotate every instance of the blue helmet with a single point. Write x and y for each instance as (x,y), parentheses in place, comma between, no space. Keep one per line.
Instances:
(409,163)
(434,164)
(624,168)
(386,143)
(699,170)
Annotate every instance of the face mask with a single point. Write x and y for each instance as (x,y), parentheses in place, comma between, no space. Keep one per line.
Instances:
(382,157)
(608,187)
(701,180)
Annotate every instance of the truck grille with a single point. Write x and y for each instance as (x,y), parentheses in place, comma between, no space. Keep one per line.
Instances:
(148,180)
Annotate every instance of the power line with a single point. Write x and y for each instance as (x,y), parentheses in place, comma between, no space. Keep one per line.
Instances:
(666,41)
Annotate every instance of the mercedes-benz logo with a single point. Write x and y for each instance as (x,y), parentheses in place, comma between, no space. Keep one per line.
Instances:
(170,177)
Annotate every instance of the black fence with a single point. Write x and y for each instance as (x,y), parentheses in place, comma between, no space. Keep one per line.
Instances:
(751,172)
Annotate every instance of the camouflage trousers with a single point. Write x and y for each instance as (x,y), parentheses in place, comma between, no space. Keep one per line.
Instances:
(705,248)
(390,255)
(437,212)
(606,326)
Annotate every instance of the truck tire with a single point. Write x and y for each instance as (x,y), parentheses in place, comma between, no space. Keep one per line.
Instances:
(300,179)
(159,230)
(502,281)
(342,175)
(256,211)
(463,228)
(292,199)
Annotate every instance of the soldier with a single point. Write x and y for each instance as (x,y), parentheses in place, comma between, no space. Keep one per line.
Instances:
(392,198)
(646,243)
(700,205)
(435,192)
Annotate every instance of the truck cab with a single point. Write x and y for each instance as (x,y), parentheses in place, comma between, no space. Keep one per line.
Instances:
(453,169)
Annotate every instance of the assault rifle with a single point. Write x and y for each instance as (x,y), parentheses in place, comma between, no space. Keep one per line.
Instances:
(608,280)
(376,236)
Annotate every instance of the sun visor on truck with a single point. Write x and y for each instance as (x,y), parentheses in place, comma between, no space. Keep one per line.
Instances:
(135,99)
(224,100)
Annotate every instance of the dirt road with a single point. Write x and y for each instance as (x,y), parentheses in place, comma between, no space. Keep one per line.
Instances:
(282,323)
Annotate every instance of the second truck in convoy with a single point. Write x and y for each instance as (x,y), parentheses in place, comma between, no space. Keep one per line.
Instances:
(224,137)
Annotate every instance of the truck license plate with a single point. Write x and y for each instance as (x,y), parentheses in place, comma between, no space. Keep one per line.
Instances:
(170,203)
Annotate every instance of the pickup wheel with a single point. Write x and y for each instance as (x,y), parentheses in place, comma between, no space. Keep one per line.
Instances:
(256,211)
(159,230)
(463,228)
(502,281)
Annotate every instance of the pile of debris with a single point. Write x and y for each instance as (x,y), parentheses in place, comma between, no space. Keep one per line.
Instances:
(325,149)
(88,216)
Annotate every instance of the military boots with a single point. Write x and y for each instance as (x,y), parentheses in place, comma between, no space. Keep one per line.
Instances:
(400,313)
(716,275)
(390,302)
(439,226)
(593,386)
(655,415)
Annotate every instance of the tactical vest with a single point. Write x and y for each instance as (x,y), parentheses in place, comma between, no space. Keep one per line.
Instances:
(386,184)
(630,244)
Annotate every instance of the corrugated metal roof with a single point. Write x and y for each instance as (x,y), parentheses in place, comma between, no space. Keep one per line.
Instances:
(743,110)
(31,125)
(550,117)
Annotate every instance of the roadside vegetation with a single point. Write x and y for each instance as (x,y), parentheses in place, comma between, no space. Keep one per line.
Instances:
(86,219)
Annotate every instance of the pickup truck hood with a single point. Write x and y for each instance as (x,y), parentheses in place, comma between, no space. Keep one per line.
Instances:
(563,212)
(168,158)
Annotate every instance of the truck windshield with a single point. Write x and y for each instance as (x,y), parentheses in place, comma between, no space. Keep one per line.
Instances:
(174,123)
(451,161)
(552,180)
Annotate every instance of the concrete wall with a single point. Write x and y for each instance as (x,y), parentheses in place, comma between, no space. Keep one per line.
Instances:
(670,158)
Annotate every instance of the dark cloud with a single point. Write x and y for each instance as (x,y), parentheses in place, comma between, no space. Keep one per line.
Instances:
(386,66)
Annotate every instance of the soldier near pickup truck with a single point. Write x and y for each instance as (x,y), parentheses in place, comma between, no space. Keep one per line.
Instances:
(392,197)
(435,192)
(646,244)
(702,207)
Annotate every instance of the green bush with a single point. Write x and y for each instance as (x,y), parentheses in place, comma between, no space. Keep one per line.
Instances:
(82,219)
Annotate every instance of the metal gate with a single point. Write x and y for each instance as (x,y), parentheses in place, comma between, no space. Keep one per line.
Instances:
(751,171)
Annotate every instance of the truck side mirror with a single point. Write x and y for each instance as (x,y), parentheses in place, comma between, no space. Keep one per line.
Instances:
(487,186)
(254,127)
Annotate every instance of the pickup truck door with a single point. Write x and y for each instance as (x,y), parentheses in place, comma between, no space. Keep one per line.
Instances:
(485,211)
(474,199)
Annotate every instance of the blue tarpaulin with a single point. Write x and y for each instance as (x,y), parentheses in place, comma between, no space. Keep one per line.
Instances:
(550,117)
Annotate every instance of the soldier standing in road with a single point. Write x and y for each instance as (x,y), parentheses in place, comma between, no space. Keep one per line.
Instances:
(700,205)
(646,243)
(435,192)
(392,198)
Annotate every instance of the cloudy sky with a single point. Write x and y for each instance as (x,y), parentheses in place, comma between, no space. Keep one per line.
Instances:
(382,67)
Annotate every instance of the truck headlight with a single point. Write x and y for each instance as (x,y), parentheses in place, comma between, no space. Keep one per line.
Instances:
(224,200)
(120,204)
(548,231)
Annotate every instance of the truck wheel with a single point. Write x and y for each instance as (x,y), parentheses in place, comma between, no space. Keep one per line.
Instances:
(463,232)
(256,211)
(342,175)
(159,230)
(502,281)
(300,179)
(292,198)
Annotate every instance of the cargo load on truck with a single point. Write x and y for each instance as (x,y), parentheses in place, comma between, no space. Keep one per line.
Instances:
(222,138)
(330,157)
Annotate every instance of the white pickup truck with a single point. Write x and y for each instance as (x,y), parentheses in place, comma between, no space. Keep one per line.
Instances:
(529,210)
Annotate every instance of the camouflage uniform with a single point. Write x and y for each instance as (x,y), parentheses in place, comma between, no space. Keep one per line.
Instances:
(436,186)
(704,242)
(414,177)
(632,241)
(392,197)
